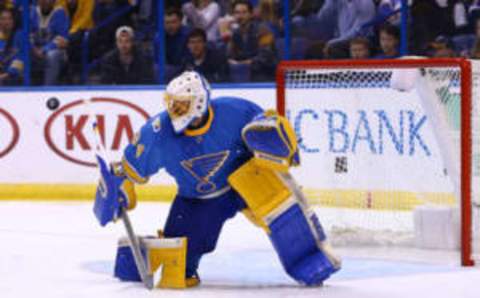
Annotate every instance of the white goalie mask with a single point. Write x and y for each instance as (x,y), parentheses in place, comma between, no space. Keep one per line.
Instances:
(186,98)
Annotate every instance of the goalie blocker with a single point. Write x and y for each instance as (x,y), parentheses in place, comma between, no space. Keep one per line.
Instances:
(114,192)
(276,204)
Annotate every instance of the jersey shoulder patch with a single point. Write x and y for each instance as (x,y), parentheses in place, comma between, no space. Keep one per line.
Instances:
(156,124)
(148,134)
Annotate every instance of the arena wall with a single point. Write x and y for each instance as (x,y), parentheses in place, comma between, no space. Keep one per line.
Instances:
(47,153)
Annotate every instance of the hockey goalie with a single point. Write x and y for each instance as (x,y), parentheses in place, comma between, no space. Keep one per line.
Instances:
(226,155)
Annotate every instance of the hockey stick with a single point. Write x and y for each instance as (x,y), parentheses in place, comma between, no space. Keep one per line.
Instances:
(147,278)
(100,153)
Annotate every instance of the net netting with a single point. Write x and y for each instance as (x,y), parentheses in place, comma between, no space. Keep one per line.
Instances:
(380,145)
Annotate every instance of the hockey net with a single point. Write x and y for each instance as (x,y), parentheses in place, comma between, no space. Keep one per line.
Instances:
(390,150)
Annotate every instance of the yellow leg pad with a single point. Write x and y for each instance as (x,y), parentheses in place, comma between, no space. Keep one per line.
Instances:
(170,254)
(265,160)
(256,221)
(261,188)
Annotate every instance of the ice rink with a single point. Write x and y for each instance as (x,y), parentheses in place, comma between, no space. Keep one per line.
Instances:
(57,250)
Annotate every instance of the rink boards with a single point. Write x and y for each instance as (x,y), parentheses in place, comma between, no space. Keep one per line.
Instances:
(47,154)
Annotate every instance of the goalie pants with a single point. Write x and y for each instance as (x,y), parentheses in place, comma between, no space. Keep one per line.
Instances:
(201,221)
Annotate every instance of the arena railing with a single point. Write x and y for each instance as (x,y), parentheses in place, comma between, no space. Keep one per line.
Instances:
(160,49)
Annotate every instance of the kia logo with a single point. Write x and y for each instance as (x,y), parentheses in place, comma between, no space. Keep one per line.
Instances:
(15,133)
(69,134)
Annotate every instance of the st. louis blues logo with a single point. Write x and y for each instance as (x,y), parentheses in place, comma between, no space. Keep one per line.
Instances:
(204,167)
(102,188)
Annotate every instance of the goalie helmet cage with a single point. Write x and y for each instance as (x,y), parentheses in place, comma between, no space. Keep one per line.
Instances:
(356,75)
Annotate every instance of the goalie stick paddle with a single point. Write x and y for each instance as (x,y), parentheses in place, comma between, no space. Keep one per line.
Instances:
(99,151)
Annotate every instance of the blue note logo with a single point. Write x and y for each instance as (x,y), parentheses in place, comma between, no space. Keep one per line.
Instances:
(204,167)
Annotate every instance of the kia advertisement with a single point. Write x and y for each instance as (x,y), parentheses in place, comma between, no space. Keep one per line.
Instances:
(68,130)
(46,137)
(9,132)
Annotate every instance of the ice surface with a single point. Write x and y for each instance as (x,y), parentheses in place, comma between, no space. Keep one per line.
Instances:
(57,250)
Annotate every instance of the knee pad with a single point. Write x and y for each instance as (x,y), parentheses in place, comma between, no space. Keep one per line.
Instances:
(165,259)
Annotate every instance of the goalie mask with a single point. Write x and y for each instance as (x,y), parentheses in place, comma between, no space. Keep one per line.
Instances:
(186,99)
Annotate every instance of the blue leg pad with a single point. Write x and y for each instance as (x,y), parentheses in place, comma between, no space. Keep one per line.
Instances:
(296,245)
(313,270)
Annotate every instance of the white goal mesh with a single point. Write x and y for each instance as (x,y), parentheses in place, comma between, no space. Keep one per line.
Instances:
(385,151)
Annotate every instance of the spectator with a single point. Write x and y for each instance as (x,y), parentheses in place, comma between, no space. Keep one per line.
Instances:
(389,42)
(268,14)
(252,44)
(10,4)
(460,17)
(203,14)
(477,29)
(244,42)
(126,64)
(228,22)
(303,15)
(389,10)
(147,18)
(443,17)
(264,63)
(80,13)
(225,25)
(6,4)
(345,18)
(225,6)
(209,62)
(475,52)
(442,47)
(359,48)
(15,6)
(11,65)
(474,12)
(175,37)
(301,9)
(315,50)
(103,39)
(429,19)
(50,26)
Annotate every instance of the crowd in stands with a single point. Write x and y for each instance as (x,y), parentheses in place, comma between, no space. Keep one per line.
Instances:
(115,42)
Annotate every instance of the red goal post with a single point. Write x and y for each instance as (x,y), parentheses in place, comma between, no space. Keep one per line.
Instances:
(465,68)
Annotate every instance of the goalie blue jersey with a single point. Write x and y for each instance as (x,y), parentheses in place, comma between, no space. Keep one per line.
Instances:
(200,160)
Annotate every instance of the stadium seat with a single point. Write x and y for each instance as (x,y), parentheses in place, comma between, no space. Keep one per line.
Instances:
(171,71)
(463,43)
(240,73)
(315,30)
(297,49)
